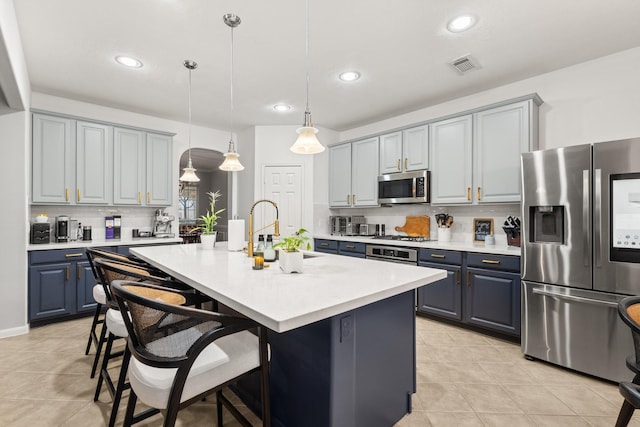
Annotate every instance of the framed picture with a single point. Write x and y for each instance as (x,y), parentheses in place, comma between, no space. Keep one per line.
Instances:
(482,227)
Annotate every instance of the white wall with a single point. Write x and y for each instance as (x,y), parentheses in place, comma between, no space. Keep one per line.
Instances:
(594,101)
(14,143)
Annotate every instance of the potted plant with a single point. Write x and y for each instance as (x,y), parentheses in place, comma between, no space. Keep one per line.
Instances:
(290,258)
(209,222)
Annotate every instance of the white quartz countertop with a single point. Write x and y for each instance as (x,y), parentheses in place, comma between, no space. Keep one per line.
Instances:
(329,285)
(452,246)
(109,242)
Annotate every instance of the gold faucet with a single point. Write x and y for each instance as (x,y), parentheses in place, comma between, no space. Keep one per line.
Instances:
(276,226)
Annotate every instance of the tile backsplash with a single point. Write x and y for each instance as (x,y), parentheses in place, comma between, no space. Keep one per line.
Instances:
(461,230)
(141,218)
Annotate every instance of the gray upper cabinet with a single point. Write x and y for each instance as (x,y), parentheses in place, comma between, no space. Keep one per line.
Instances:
(53,161)
(353,174)
(93,171)
(404,151)
(78,162)
(476,158)
(451,160)
(159,170)
(500,135)
(128,175)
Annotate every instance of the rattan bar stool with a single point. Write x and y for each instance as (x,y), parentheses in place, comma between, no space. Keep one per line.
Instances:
(182,354)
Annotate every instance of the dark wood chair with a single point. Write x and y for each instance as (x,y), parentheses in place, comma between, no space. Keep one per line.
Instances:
(182,354)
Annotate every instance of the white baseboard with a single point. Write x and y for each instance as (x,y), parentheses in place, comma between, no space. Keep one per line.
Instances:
(21,330)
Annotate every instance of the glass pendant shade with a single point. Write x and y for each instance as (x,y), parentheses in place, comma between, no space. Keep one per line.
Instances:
(307,142)
(189,174)
(231,163)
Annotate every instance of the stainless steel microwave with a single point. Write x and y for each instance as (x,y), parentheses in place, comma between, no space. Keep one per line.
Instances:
(408,187)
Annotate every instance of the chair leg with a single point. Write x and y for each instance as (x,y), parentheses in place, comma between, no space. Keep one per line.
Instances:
(171,415)
(219,407)
(105,362)
(122,386)
(625,414)
(103,334)
(131,407)
(92,332)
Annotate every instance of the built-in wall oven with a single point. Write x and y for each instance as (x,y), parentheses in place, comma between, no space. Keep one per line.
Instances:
(392,254)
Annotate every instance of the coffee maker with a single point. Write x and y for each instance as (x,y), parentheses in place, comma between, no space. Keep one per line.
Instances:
(162,226)
(62,229)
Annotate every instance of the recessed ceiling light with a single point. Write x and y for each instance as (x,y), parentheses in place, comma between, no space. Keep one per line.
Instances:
(129,61)
(349,76)
(281,108)
(461,23)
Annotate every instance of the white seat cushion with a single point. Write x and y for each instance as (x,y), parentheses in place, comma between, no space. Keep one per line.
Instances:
(221,361)
(98,294)
(115,323)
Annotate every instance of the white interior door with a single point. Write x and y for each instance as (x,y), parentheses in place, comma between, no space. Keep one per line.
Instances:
(283,185)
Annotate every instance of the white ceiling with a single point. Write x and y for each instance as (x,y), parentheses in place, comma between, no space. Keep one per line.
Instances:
(401,48)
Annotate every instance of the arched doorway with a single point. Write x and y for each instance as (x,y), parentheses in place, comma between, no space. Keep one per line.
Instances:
(193,200)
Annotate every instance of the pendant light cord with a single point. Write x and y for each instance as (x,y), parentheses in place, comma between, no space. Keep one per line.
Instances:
(307,52)
(231,148)
(189,117)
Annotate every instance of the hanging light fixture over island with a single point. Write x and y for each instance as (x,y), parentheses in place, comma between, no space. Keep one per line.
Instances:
(231,162)
(189,174)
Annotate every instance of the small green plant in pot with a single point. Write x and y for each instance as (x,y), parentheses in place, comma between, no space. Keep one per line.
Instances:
(210,220)
(290,258)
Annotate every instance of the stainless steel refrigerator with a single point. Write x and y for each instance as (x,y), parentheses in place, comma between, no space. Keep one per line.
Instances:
(581,254)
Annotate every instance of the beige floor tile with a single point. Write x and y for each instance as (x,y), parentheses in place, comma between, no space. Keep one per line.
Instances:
(490,398)
(610,421)
(414,419)
(29,413)
(506,420)
(558,421)
(443,419)
(506,373)
(584,401)
(536,399)
(451,372)
(441,398)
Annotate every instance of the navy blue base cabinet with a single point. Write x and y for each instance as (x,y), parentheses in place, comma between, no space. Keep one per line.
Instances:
(326,246)
(480,289)
(60,284)
(355,369)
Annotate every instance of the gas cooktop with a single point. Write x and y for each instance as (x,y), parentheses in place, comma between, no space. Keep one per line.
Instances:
(403,238)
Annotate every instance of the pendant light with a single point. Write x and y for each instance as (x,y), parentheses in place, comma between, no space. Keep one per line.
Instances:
(231,162)
(189,174)
(307,142)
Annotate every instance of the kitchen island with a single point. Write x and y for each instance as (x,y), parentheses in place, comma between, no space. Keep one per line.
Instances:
(342,333)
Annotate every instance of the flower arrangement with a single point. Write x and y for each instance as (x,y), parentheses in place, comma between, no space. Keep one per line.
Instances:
(292,243)
(210,219)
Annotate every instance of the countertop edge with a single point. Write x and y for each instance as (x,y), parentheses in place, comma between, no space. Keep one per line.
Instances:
(100,243)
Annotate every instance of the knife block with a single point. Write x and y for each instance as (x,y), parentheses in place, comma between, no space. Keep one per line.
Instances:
(513,241)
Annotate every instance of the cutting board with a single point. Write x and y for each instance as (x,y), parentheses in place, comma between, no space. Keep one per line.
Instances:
(416,226)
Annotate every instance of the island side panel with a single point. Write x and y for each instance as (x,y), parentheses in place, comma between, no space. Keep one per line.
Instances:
(354,369)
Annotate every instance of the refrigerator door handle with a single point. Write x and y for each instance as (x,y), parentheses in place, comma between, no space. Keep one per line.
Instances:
(597,220)
(585,218)
(575,298)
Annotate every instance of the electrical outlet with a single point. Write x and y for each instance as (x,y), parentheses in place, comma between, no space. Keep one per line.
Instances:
(346,327)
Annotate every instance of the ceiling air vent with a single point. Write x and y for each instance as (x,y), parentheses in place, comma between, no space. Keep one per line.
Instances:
(463,64)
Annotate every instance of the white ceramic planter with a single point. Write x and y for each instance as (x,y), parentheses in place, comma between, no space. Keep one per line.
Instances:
(208,241)
(290,262)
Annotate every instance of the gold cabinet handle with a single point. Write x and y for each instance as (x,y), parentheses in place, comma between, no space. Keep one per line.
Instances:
(398,164)
(148,197)
(406,160)
(79,273)
(78,194)
(468,193)
(490,261)
(468,279)
(324,244)
(437,256)
(350,247)
(457,277)
(139,197)
(478,193)
(348,199)
(66,194)
(67,273)
(74,255)
(353,198)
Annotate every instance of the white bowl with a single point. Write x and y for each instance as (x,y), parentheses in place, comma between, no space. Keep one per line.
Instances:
(42,218)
